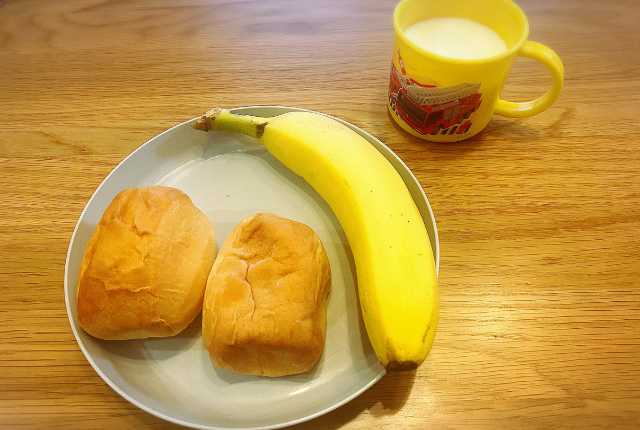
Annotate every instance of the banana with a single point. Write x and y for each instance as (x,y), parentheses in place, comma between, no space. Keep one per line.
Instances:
(395,269)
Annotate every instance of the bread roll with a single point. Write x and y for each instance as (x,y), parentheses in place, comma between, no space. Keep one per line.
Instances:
(145,268)
(265,306)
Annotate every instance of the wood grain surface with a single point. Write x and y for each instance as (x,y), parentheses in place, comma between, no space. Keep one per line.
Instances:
(539,218)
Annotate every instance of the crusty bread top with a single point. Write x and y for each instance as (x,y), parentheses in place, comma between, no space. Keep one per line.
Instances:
(144,270)
(265,303)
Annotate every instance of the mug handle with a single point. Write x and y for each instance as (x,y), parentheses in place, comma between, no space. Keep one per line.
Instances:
(550,59)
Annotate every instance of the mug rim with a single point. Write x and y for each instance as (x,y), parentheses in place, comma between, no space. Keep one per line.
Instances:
(509,52)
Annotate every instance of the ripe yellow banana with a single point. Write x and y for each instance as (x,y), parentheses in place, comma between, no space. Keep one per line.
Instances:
(396,276)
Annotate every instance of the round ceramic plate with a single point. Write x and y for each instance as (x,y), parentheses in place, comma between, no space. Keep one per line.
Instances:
(231,177)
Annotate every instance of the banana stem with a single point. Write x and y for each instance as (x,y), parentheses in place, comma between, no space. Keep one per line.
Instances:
(222,119)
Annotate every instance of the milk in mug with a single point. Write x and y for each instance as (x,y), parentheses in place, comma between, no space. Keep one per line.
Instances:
(456,38)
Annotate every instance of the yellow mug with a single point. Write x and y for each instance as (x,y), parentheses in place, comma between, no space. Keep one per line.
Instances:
(447,99)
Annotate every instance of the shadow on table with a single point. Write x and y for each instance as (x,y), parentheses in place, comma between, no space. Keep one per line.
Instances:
(515,130)
(387,397)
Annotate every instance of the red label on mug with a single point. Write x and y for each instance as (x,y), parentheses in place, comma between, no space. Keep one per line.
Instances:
(431,109)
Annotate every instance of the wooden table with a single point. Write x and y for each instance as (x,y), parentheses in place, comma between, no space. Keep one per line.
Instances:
(539,218)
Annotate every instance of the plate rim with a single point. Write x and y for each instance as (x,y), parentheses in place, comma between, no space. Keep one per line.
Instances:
(158,414)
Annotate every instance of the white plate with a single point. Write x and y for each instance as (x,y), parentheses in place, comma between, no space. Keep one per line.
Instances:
(230,177)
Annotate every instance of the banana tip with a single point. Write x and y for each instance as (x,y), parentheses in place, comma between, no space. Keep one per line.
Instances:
(205,122)
(402,365)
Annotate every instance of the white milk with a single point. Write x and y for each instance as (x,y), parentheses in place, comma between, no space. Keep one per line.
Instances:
(456,38)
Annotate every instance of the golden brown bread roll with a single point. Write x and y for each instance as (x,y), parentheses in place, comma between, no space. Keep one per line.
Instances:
(264,311)
(145,268)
